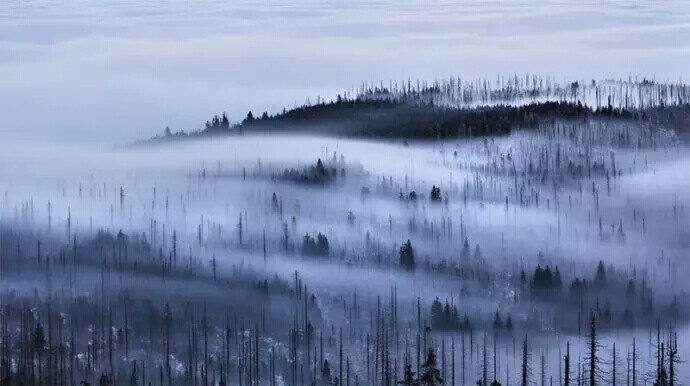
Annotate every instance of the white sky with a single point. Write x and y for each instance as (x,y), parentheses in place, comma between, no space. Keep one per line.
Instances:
(113,71)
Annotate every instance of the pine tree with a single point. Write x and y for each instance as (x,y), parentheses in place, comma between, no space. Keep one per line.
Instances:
(600,277)
(249,118)
(509,324)
(498,323)
(408,376)
(326,372)
(435,194)
(407,256)
(431,375)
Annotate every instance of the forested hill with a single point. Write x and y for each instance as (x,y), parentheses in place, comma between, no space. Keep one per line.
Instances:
(395,119)
(452,110)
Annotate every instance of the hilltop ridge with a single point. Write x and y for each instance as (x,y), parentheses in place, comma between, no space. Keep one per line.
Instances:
(452,109)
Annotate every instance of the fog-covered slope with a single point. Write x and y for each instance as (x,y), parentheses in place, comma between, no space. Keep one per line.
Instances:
(252,239)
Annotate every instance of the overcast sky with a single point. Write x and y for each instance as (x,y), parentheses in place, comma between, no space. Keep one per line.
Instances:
(112,71)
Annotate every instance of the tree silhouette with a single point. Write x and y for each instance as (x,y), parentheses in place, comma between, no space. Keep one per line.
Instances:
(407,256)
(437,319)
(600,277)
(105,380)
(431,375)
(498,323)
(408,376)
(435,195)
(315,247)
(224,122)
(465,252)
(326,372)
(249,119)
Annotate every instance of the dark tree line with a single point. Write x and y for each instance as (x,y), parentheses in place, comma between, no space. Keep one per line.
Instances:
(396,119)
(447,317)
(388,118)
(616,300)
(318,174)
(315,246)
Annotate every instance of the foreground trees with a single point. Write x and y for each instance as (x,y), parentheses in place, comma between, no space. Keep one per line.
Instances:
(430,373)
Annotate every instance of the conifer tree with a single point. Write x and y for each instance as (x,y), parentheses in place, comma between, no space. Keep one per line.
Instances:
(431,375)
(407,256)
(498,323)
(408,376)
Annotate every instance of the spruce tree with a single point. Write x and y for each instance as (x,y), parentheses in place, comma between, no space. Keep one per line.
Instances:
(407,256)
(431,375)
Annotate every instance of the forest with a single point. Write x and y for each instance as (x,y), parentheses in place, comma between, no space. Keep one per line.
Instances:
(451,109)
(455,232)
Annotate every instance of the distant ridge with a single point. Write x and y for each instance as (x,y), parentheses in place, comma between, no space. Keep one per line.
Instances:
(453,108)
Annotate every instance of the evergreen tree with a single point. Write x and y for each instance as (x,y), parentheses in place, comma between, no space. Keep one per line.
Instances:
(322,244)
(600,277)
(408,376)
(39,344)
(437,314)
(465,325)
(315,247)
(249,118)
(431,375)
(435,195)
(39,338)
(630,290)
(455,318)
(407,256)
(557,282)
(478,256)
(509,323)
(447,316)
(498,323)
(105,380)
(465,253)
(326,372)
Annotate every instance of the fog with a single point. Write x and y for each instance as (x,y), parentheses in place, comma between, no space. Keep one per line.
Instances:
(116,71)
(252,257)
(195,191)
